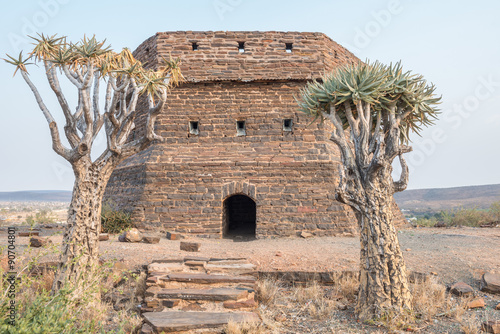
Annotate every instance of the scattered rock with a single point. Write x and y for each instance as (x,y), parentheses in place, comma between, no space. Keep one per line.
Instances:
(461,289)
(39,241)
(132,235)
(233,305)
(28,233)
(476,303)
(305,235)
(440,224)
(173,236)
(121,238)
(151,240)
(103,237)
(408,249)
(490,282)
(146,329)
(498,307)
(491,327)
(193,307)
(171,303)
(190,246)
(278,254)
(490,224)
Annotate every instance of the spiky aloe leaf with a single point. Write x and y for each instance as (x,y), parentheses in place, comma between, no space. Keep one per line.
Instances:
(18,62)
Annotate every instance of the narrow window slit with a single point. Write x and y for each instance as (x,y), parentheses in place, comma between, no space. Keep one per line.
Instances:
(195,46)
(287,124)
(241,46)
(288,47)
(240,128)
(194,128)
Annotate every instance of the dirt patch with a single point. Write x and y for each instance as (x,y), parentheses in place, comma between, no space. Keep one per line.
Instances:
(452,253)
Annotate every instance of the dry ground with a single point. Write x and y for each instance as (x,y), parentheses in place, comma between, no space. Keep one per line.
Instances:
(452,254)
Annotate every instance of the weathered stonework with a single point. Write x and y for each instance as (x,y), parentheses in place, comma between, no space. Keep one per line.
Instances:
(290,172)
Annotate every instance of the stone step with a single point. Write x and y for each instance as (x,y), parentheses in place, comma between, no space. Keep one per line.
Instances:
(165,267)
(214,294)
(175,321)
(233,268)
(207,278)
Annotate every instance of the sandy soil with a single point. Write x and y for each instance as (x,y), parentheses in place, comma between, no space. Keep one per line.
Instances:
(451,253)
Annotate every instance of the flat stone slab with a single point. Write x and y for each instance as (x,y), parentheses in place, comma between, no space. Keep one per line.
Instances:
(175,321)
(28,233)
(207,279)
(232,266)
(215,294)
(167,261)
(165,267)
(490,282)
(196,258)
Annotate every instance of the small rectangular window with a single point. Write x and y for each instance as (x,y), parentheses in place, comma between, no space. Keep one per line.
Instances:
(287,124)
(241,46)
(240,128)
(195,46)
(288,47)
(194,127)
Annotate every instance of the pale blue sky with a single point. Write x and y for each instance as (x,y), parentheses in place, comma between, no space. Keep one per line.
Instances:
(454,44)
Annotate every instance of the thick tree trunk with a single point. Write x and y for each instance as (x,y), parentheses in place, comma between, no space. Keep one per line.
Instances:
(80,249)
(383,280)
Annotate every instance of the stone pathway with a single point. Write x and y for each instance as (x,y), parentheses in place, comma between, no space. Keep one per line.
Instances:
(197,293)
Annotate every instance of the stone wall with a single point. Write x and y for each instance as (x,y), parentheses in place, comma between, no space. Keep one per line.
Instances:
(264,58)
(181,185)
(291,175)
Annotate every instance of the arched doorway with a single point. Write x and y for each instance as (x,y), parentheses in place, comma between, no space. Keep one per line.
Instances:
(239,218)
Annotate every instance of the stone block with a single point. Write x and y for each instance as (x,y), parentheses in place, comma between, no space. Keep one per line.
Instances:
(39,241)
(173,236)
(151,239)
(190,246)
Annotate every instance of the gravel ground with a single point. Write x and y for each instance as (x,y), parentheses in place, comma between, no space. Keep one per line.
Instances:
(453,254)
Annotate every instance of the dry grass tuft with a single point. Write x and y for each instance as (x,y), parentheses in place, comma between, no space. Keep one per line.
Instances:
(244,328)
(470,325)
(429,299)
(315,301)
(267,291)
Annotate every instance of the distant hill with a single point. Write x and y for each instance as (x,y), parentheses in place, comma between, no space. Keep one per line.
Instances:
(36,196)
(448,198)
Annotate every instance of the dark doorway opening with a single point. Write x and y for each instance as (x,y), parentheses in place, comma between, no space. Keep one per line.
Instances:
(240,215)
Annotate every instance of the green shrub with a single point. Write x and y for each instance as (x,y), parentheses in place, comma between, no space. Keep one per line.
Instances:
(495,211)
(114,221)
(468,217)
(427,222)
(74,309)
(42,217)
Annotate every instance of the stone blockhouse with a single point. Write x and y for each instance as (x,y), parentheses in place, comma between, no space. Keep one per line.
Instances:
(239,158)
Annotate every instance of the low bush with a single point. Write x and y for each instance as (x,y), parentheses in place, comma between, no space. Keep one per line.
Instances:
(41,217)
(113,220)
(74,309)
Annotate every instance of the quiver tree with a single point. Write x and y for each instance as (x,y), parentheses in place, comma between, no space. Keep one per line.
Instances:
(373,109)
(87,65)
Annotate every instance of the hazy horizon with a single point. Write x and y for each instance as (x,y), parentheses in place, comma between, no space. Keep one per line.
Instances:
(453,44)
